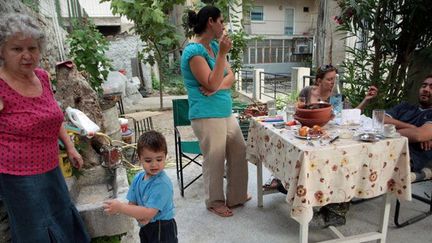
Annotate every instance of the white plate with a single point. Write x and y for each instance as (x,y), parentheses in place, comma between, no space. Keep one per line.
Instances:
(304,137)
(368,137)
(394,135)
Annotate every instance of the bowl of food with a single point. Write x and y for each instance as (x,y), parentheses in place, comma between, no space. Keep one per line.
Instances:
(314,111)
(313,132)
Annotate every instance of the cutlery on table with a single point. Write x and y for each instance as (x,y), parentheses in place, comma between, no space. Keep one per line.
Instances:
(333,139)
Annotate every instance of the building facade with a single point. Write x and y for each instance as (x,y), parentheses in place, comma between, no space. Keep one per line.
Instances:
(282,34)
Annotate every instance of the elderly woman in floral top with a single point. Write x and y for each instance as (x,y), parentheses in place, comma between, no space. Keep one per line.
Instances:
(31,183)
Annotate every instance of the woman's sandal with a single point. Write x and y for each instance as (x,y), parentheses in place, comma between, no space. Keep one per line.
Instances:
(222,211)
(248,198)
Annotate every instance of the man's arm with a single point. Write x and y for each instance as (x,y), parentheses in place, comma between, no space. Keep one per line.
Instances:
(417,134)
(397,123)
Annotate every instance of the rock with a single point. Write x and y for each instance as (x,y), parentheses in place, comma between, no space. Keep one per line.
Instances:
(73,90)
(91,190)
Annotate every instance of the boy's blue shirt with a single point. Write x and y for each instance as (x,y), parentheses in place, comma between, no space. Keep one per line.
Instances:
(217,105)
(155,192)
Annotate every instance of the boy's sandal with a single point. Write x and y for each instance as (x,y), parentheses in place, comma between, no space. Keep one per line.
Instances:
(222,211)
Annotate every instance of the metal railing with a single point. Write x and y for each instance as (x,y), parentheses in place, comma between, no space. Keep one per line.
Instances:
(274,84)
(246,84)
(311,80)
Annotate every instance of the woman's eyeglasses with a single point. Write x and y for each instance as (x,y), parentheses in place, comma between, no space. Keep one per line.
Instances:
(325,68)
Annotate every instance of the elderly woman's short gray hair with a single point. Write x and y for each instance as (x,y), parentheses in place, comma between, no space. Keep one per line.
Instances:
(15,23)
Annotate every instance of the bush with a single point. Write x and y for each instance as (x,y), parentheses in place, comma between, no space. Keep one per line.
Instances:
(87,49)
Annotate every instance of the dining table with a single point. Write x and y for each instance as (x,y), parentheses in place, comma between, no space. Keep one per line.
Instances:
(331,169)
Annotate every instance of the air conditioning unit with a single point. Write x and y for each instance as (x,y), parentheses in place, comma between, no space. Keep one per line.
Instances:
(302,48)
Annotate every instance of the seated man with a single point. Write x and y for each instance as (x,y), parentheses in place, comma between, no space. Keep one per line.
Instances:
(415,123)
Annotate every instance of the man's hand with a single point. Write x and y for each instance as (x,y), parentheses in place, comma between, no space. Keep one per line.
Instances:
(1,104)
(427,145)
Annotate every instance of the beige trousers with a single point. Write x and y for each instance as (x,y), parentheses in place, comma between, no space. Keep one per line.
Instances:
(221,139)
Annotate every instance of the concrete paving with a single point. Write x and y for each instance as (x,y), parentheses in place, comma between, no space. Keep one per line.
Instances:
(272,223)
(152,103)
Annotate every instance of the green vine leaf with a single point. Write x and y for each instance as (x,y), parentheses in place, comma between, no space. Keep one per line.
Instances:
(87,49)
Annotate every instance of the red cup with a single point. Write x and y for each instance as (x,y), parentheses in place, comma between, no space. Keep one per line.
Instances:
(124,127)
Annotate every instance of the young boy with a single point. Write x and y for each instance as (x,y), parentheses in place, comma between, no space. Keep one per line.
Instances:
(151,193)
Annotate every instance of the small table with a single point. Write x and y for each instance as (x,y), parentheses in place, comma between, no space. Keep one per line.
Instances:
(330,173)
(142,121)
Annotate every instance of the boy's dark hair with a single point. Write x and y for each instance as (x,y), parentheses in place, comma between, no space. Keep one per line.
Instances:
(153,141)
(198,21)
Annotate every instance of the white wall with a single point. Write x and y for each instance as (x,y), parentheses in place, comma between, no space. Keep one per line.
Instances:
(96,9)
(102,15)
(274,17)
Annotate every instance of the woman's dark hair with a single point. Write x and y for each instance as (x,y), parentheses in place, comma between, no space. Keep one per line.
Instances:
(323,70)
(153,141)
(199,21)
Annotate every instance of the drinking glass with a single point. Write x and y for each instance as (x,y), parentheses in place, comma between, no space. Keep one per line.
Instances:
(378,121)
(271,106)
(290,110)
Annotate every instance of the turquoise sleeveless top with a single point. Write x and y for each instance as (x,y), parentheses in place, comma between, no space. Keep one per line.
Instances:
(218,105)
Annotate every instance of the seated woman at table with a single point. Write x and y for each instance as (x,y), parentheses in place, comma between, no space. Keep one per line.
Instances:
(323,88)
(321,91)
(331,214)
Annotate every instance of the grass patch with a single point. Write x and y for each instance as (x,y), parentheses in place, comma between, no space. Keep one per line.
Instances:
(131,172)
(108,239)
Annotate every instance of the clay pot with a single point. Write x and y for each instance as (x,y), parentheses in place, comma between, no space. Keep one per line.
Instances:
(312,122)
(314,114)
(314,111)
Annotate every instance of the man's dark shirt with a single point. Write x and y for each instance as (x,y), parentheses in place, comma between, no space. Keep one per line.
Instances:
(417,116)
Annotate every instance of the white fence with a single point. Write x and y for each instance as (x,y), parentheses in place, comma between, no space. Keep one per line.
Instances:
(262,86)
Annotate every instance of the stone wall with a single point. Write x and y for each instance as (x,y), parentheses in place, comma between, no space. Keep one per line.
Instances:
(51,55)
(123,48)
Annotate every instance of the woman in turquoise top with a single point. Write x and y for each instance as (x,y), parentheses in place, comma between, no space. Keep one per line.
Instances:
(208,79)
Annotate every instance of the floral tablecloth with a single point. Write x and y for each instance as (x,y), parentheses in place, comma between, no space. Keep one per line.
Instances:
(330,173)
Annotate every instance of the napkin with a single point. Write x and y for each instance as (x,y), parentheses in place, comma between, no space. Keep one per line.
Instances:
(350,116)
(366,123)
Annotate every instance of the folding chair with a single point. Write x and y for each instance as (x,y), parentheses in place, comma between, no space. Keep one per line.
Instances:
(239,107)
(424,175)
(189,150)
